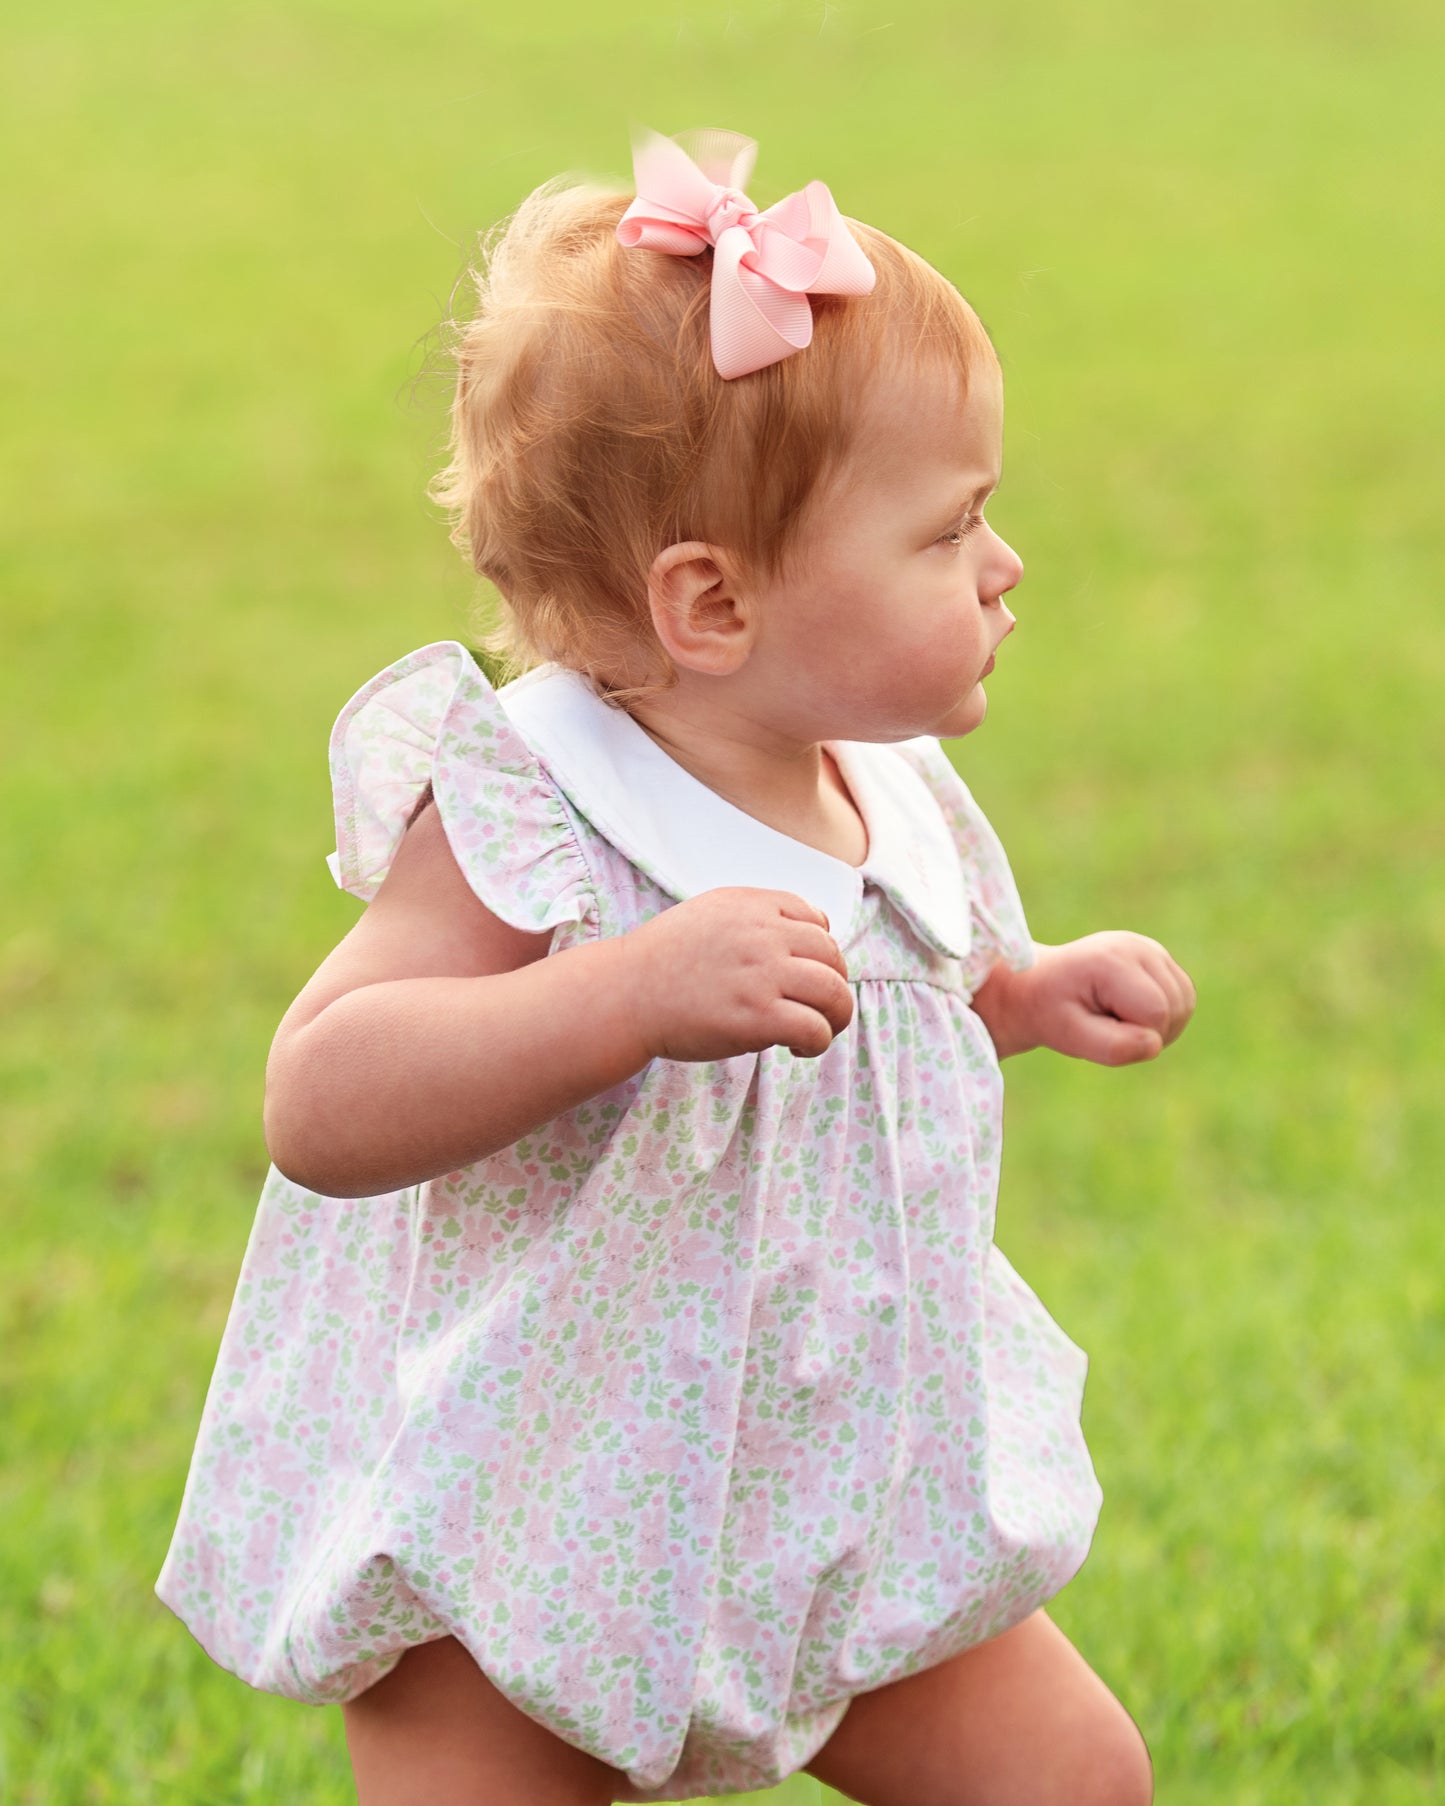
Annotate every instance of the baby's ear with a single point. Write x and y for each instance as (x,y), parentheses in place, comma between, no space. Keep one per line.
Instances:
(698,610)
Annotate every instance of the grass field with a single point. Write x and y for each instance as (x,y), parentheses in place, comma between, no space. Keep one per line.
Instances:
(1207,244)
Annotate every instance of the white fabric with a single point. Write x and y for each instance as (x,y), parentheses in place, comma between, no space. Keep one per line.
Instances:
(694,840)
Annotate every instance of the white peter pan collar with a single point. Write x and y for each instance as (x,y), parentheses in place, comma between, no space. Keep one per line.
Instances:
(690,839)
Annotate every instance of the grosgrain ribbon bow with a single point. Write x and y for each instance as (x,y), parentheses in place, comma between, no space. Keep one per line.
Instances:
(765,265)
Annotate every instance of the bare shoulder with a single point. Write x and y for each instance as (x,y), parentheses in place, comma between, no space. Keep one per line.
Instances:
(424,922)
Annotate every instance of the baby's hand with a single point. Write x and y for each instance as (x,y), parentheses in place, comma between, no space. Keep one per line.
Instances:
(1114,998)
(736,970)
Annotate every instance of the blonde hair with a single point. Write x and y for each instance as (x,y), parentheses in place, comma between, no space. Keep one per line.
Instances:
(590,429)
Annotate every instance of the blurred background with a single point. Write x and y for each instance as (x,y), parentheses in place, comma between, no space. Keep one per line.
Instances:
(1207,243)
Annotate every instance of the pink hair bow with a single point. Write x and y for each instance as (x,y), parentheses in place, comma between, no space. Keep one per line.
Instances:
(765,265)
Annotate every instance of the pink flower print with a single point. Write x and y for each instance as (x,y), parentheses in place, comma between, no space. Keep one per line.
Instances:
(688,1299)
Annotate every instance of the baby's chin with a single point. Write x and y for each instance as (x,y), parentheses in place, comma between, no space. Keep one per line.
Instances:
(964,717)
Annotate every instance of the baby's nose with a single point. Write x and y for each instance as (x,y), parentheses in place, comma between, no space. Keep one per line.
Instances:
(1008,570)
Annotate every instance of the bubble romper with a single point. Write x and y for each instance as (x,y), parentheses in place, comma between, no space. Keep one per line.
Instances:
(704,1406)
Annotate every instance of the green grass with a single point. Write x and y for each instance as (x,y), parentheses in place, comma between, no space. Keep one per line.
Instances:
(1206,242)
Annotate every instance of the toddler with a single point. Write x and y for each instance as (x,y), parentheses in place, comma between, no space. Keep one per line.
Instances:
(623,1397)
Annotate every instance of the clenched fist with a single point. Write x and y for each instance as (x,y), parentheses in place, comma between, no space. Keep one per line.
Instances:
(733,971)
(1114,998)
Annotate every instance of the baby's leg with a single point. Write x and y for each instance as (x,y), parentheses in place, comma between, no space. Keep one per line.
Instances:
(435,1730)
(1021,1720)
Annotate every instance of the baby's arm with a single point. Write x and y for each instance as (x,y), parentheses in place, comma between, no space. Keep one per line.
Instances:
(1114,998)
(436,1034)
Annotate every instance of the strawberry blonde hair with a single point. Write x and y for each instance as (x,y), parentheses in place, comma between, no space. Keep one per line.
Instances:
(590,428)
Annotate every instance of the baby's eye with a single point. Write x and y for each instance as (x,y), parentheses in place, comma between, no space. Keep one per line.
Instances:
(969,524)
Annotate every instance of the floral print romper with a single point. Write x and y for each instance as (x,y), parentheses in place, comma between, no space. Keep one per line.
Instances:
(708,1404)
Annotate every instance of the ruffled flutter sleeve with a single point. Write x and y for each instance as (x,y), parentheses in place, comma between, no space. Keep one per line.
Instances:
(433,719)
(1000,930)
